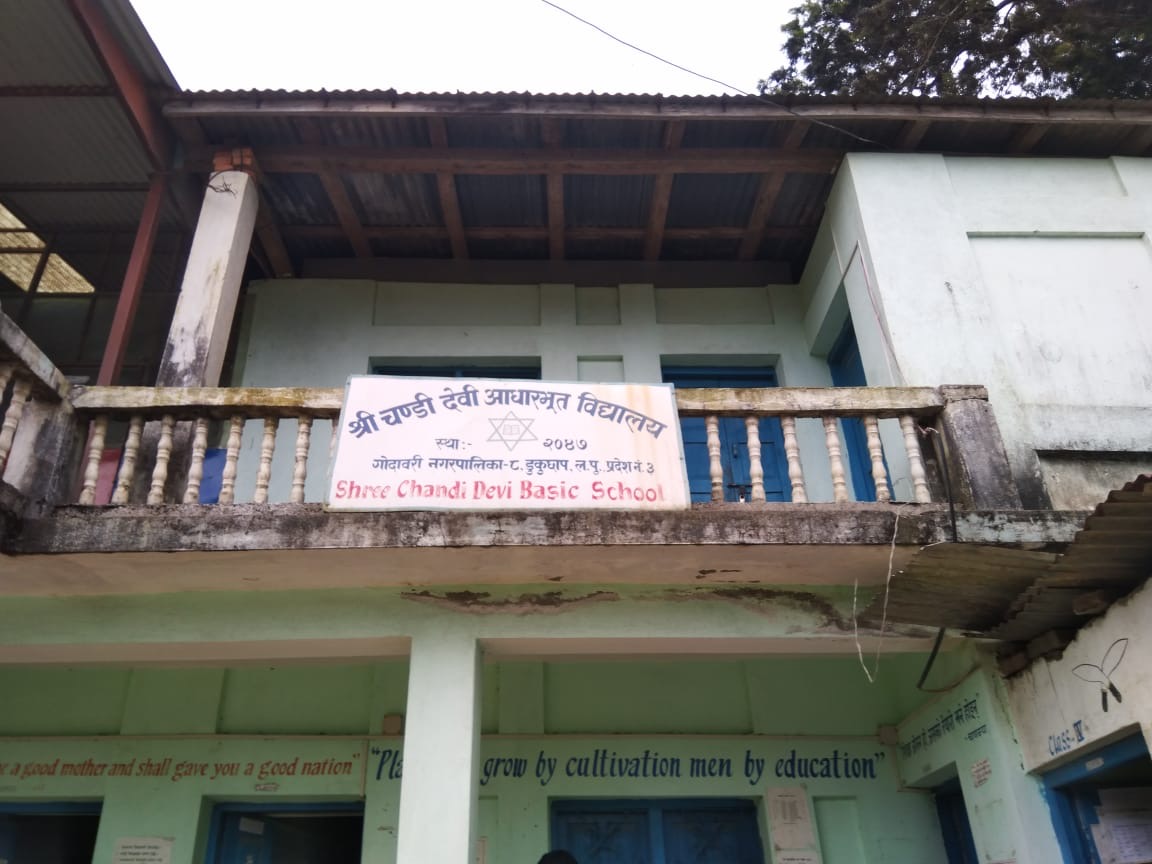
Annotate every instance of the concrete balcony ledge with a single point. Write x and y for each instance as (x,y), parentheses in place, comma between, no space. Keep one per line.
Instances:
(97,550)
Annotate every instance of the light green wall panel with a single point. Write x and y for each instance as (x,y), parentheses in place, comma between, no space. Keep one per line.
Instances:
(838,826)
(171,701)
(62,701)
(332,699)
(646,697)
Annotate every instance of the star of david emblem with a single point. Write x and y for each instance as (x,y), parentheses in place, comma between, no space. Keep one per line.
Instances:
(510,430)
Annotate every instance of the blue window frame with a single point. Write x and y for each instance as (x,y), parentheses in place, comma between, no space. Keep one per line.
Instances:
(1073,796)
(733,436)
(848,371)
(314,833)
(658,831)
(55,832)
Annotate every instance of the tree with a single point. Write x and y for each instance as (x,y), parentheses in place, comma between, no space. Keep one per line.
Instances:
(1084,48)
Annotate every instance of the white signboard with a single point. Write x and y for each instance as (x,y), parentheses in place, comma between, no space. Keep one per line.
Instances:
(488,444)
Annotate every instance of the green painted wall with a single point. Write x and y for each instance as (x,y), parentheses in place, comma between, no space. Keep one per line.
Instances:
(730,712)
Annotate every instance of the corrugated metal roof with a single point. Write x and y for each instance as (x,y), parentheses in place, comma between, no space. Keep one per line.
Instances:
(41,44)
(69,140)
(596,201)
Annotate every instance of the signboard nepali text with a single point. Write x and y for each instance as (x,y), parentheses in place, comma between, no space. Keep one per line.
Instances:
(487,444)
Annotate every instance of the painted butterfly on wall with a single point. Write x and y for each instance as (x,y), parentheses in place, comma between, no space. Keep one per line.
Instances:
(1102,674)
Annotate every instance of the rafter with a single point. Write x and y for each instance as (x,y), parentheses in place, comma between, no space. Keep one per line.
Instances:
(912,133)
(335,190)
(552,134)
(272,241)
(1026,139)
(446,188)
(662,195)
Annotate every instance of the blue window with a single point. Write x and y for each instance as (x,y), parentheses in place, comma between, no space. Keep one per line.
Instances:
(329,833)
(733,437)
(661,831)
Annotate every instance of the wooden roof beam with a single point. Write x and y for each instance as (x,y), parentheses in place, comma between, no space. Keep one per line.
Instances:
(272,242)
(766,195)
(662,195)
(392,104)
(316,159)
(1026,139)
(335,189)
(912,134)
(553,138)
(446,188)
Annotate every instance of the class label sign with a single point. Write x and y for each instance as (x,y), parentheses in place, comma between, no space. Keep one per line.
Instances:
(490,444)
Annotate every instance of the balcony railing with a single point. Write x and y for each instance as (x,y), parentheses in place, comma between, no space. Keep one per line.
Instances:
(55,439)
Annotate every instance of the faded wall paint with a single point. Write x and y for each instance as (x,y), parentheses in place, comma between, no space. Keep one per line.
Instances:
(1060,717)
(1029,276)
(308,750)
(966,733)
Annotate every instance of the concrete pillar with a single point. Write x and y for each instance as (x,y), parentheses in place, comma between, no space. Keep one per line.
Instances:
(978,467)
(441,749)
(202,322)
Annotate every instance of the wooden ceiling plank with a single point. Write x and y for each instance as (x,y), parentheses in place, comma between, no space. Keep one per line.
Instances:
(446,190)
(662,195)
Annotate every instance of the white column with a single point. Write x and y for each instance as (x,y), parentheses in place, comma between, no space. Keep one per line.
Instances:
(198,338)
(441,749)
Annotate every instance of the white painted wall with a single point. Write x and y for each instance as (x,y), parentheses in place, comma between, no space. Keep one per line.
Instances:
(315,333)
(1032,277)
(1059,717)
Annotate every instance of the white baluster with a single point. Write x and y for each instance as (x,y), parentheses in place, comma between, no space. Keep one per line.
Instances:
(792,452)
(715,467)
(915,460)
(6,371)
(300,474)
(876,454)
(96,438)
(163,454)
(196,467)
(755,466)
(267,447)
(832,442)
(228,476)
(128,463)
(20,392)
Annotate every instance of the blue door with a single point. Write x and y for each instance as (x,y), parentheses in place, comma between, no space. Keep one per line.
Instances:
(733,437)
(661,831)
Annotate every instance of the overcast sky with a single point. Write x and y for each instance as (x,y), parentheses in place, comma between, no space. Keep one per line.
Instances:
(466,45)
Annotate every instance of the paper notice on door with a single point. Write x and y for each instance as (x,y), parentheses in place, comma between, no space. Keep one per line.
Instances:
(143,850)
(790,819)
(808,857)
